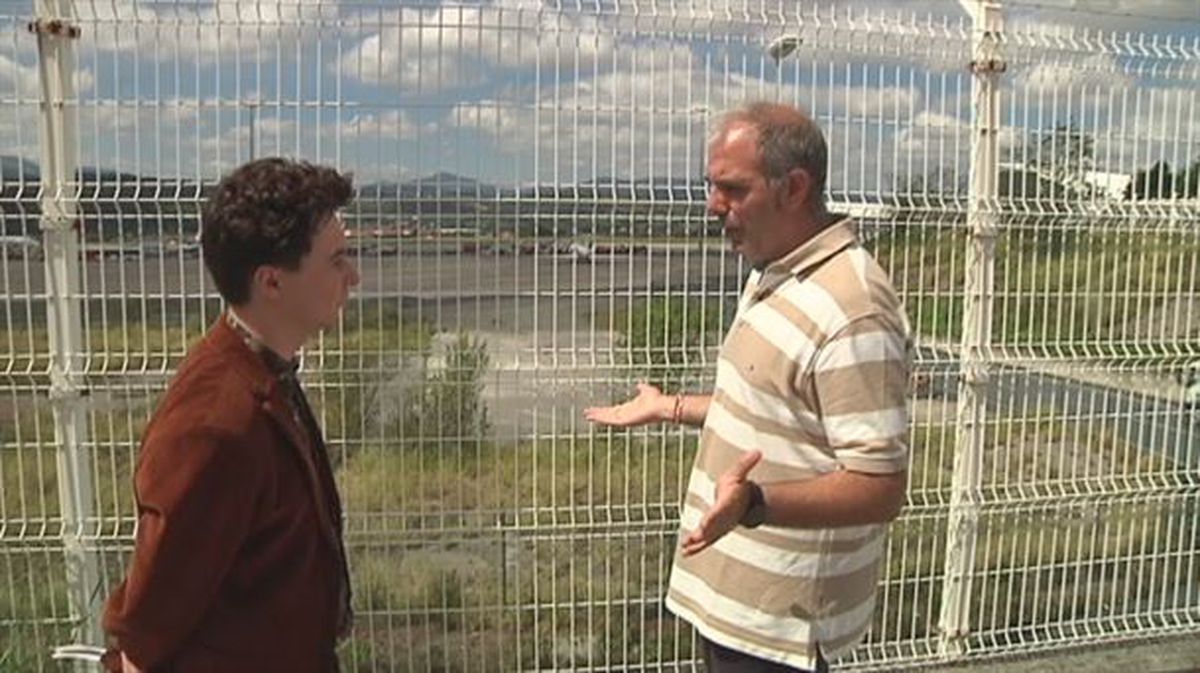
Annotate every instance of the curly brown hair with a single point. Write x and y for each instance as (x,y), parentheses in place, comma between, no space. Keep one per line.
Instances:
(265,212)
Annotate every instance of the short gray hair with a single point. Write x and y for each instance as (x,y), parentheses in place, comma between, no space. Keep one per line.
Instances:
(787,139)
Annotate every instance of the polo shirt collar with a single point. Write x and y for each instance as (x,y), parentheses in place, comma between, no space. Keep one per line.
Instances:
(808,255)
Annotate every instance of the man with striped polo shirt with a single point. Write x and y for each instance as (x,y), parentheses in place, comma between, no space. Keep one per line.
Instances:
(802,456)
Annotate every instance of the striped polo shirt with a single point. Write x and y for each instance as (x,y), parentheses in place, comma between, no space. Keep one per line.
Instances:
(814,374)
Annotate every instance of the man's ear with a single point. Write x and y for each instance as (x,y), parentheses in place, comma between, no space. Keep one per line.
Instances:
(799,187)
(265,281)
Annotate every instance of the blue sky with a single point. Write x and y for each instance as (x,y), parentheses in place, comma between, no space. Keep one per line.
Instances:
(513,92)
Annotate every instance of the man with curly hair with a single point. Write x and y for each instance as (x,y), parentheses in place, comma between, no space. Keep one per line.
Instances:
(238,562)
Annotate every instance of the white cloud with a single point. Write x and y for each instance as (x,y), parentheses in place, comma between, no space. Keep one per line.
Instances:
(195,139)
(887,102)
(942,140)
(389,171)
(1150,124)
(643,116)
(1163,8)
(1070,17)
(448,47)
(19,77)
(604,94)
(498,118)
(273,136)
(19,131)
(220,30)
(654,121)
(1100,70)
(831,102)
(357,142)
(1133,117)
(23,79)
(931,129)
(391,124)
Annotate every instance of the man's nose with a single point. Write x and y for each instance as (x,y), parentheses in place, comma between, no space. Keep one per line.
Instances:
(355,276)
(716,205)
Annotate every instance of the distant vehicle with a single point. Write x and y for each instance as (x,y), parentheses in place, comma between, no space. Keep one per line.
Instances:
(183,248)
(1190,379)
(100,251)
(579,251)
(19,247)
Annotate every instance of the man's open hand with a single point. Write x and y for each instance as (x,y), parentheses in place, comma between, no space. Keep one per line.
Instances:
(730,501)
(649,406)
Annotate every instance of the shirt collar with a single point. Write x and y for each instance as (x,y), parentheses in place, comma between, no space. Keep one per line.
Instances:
(808,255)
(278,365)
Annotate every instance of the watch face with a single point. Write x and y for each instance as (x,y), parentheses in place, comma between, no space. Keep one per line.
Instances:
(755,515)
(756,510)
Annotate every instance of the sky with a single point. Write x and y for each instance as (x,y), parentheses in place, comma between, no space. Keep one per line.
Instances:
(527,92)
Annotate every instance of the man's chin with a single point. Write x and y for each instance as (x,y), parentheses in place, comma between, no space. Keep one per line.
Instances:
(329,322)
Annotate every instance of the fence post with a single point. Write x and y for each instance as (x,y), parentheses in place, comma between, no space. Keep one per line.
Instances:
(61,240)
(974,384)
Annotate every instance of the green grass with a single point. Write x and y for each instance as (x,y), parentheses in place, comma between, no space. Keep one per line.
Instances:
(572,480)
(524,601)
(555,553)
(594,599)
(1052,285)
(33,608)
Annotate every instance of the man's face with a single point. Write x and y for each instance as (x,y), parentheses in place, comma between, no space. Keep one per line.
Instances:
(748,204)
(312,294)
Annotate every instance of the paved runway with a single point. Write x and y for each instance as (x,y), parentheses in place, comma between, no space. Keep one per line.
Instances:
(483,290)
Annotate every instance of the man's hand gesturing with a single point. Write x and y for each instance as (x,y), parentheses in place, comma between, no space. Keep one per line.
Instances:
(649,406)
(731,499)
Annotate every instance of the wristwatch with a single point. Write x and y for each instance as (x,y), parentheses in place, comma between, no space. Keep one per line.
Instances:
(756,511)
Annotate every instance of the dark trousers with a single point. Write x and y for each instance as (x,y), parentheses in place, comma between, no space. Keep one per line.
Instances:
(720,659)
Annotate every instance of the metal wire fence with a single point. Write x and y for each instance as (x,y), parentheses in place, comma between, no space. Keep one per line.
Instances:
(530,227)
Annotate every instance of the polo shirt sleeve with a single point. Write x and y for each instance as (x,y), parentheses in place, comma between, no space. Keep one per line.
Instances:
(860,379)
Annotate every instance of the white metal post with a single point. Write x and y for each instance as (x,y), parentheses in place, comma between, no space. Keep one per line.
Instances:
(59,154)
(974,384)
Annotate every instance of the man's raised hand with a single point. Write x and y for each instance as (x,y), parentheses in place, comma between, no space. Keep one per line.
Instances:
(649,406)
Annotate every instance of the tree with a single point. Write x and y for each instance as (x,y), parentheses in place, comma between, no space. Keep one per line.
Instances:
(1062,156)
(938,185)
(1024,184)
(1187,182)
(1067,154)
(1156,182)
